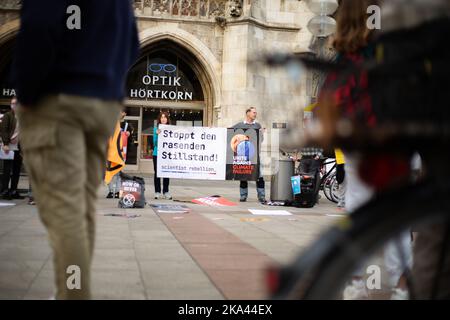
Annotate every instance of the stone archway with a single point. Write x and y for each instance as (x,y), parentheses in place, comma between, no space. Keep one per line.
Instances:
(8,33)
(196,53)
(9,30)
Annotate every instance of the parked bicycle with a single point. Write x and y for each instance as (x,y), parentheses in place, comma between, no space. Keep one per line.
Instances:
(329,184)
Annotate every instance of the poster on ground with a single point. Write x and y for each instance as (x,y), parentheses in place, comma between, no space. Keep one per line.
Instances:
(169,208)
(270,212)
(191,152)
(215,201)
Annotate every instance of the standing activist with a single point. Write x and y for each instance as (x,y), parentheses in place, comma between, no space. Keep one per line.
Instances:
(250,123)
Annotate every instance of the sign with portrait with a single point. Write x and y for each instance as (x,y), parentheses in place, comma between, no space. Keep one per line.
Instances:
(242,154)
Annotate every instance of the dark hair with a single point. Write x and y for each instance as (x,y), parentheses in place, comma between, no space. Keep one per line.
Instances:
(352,33)
(161,114)
(250,109)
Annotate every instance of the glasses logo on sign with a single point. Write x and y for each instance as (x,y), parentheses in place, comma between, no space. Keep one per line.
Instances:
(158,67)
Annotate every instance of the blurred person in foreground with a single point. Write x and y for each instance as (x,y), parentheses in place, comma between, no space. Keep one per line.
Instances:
(70,92)
(353,43)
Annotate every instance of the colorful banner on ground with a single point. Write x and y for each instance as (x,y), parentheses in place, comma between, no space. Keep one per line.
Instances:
(191,153)
(242,154)
(215,201)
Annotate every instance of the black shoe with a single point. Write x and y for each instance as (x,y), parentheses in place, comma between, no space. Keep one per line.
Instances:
(243,199)
(116,195)
(262,200)
(110,196)
(6,195)
(16,195)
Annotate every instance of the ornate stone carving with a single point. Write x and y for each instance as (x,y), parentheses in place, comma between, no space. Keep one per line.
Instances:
(189,8)
(216,8)
(138,5)
(10,4)
(160,6)
(203,8)
(221,21)
(209,9)
(235,8)
(176,7)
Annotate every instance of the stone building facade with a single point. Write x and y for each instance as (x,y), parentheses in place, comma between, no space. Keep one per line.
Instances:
(198,62)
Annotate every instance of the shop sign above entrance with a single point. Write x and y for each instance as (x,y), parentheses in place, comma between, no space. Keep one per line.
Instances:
(163,87)
(7,92)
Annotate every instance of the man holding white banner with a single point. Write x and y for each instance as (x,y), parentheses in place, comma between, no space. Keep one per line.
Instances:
(191,153)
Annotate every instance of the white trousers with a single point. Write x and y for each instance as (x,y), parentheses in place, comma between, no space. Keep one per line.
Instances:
(357,194)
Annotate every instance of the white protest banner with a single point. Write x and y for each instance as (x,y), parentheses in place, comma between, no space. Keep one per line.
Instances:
(192,152)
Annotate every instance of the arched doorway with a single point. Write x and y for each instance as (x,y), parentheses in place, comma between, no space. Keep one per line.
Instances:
(7,90)
(167,77)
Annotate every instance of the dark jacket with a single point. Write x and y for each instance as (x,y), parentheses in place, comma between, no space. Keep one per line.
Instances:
(243,125)
(7,127)
(92,61)
(255,125)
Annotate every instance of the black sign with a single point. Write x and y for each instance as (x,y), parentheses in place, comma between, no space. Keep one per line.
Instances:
(242,154)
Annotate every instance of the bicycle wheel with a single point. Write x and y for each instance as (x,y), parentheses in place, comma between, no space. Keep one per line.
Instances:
(334,187)
(327,187)
(321,271)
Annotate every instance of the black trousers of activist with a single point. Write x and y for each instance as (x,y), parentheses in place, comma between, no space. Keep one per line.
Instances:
(157,180)
(11,172)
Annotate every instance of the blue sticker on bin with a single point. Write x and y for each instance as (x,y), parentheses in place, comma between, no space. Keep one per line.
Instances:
(295,181)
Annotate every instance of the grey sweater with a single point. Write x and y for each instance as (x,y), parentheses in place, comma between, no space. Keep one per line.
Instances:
(255,125)
(243,125)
